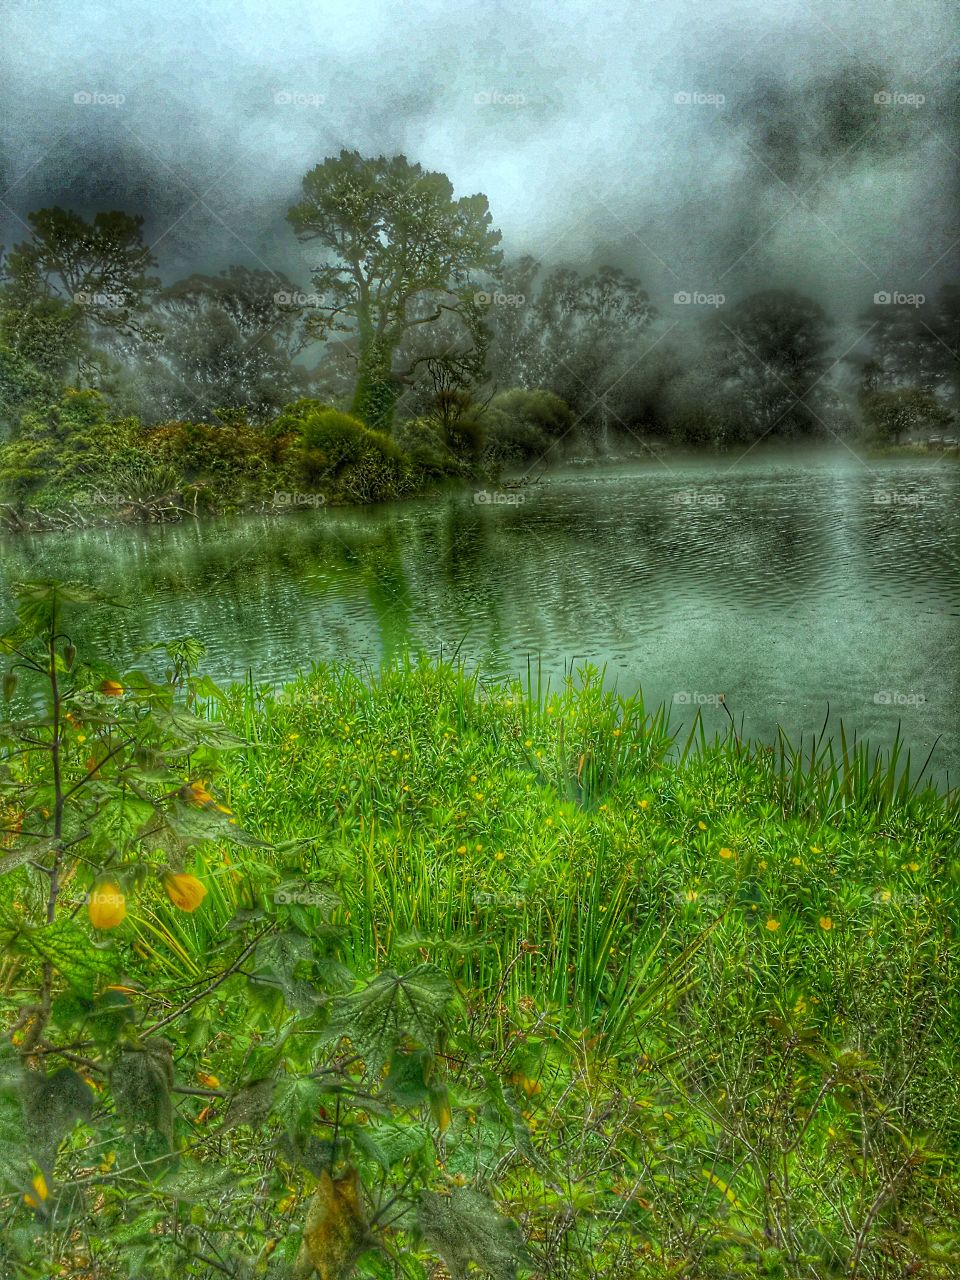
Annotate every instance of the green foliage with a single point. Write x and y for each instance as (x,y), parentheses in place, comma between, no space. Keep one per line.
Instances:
(396,242)
(891,414)
(100,267)
(67,448)
(525,424)
(333,1077)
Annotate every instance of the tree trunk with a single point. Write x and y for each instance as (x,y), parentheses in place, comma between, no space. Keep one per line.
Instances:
(375,395)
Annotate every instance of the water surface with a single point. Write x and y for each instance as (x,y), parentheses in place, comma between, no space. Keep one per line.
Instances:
(787,582)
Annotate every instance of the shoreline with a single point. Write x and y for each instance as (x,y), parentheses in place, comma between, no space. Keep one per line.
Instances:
(177,508)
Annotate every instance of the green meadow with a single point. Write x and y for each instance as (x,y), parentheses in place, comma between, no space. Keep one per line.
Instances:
(416,974)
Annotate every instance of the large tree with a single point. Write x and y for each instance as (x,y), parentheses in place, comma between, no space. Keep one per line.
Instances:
(907,410)
(398,251)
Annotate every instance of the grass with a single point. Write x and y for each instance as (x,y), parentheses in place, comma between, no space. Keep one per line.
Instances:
(712,983)
(748,952)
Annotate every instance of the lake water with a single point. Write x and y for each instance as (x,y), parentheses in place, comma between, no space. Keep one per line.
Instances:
(788,582)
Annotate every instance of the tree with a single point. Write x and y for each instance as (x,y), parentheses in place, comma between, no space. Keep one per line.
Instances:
(772,350)
(99,267)
(399,250)
(225,341)
(905,350)
(891,414)
(575,334)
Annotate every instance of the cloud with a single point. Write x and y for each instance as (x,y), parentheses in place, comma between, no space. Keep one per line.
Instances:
(695,145)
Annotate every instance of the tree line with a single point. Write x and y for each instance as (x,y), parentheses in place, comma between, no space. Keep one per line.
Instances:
(416,326)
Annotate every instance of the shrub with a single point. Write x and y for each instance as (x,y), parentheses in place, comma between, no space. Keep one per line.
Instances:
(521,423)
(236,463)
(67,449)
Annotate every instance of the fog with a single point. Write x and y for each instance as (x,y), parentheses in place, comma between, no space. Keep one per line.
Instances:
(712,148)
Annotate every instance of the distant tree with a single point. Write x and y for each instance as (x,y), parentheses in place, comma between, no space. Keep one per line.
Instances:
(944,321)
(574,333)
(99,267)
(399,251)
(892,414)
(521,424)
(772,352)
(226,342)
(905,349)
(697,406)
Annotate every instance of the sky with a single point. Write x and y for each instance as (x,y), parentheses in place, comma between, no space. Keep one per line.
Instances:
(708,148)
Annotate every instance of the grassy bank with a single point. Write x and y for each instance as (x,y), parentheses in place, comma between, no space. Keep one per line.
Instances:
(705,1020)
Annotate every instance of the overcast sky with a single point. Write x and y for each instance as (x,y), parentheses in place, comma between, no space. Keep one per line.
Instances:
(716,147)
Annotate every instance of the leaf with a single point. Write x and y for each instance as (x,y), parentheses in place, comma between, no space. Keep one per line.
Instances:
(251,1105)
(69,949)
(39,603)
(195,1183)
(394,1009)
(465,1227)
(406,1082)
(388,1144)
(14,1150)
(725,1190)
(29,849)
(183,728)
(335,1232)
(52,1105)
(142,1082)
(191,824)
(281,960)
(295,1101)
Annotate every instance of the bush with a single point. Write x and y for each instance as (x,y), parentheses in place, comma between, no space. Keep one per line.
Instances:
(67,449)
(237,464)
(336,454)
(523,424)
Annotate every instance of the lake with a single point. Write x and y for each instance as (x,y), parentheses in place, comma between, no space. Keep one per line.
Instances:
(789,582)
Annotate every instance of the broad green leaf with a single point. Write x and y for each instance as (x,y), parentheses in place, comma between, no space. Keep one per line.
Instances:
(465,1229)
(394,1011)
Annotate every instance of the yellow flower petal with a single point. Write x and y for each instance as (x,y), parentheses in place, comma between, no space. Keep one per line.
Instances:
(106,905)
(186,892)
